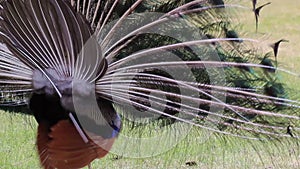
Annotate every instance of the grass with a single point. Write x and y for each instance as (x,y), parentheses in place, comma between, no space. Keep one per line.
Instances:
(18,151)
(280,20)
(17,139)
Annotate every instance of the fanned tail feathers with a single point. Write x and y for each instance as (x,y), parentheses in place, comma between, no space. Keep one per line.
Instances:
(176,61)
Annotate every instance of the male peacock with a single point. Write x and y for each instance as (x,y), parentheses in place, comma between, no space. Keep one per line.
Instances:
(78,62)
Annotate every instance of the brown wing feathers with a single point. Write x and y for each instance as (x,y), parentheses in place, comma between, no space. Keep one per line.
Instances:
(62,147)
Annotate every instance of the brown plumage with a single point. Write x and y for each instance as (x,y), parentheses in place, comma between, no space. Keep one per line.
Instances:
(62,147)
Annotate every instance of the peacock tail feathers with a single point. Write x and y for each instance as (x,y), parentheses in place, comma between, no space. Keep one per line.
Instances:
(172,62)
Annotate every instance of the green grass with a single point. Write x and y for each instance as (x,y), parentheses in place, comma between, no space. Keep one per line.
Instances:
(280,20)
(283,20)
(17,140)
(18,150)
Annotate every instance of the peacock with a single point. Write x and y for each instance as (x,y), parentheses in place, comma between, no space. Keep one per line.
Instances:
(90,71)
